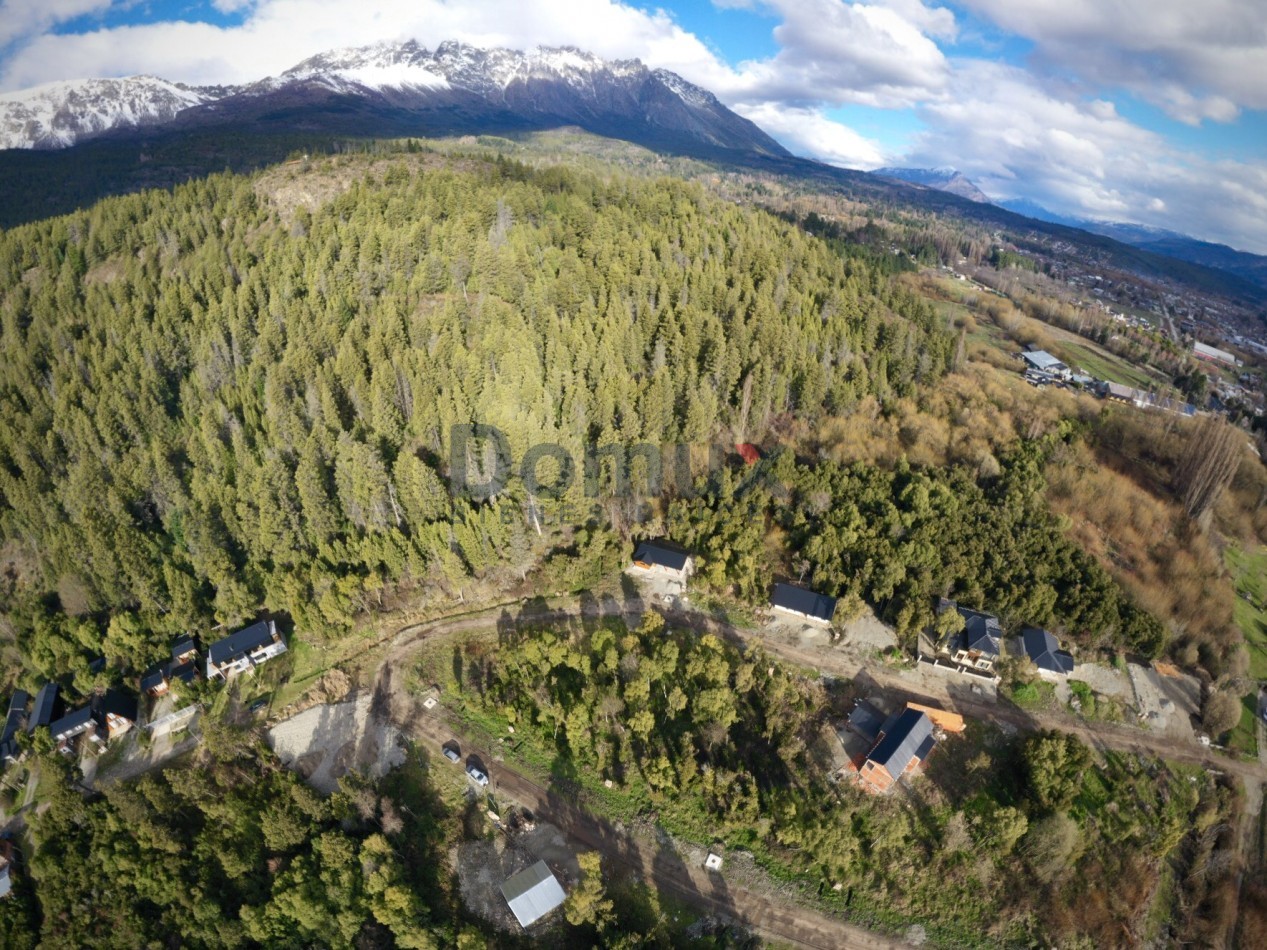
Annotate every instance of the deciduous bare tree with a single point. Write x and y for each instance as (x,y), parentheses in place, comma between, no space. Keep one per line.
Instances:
(1209,461)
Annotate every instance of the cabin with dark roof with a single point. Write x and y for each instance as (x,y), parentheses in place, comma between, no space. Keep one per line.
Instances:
(244,650)
(184,650)
(70,726)
(902,747)
(977,645)
(1044,651)
(803,603)
(154,680)
(115,713)
(660,559)
(45,709)
(10,751)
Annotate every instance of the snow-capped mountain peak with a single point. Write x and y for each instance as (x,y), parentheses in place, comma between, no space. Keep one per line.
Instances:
(403,87)
(58,114)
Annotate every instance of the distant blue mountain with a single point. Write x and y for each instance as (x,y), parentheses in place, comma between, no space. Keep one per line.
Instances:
(1251,267)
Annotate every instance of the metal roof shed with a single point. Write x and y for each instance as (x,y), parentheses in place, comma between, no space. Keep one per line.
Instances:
(533,893)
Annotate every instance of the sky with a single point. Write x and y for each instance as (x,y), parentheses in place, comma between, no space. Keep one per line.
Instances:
(1147,111)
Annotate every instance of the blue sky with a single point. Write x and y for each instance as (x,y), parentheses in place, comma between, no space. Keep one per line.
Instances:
(1151,111)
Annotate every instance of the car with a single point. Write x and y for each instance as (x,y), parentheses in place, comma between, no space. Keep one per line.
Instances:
(258,705)
(477,774)
(452,754)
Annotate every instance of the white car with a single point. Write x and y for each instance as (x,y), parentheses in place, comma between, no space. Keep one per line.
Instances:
(452,754)
(475,773)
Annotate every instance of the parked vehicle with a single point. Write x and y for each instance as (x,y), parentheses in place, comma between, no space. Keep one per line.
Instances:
(477,774)
(451,753)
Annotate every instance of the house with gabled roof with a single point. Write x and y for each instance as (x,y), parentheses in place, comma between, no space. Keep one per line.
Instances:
(244,650)
(154,680)
(102,718)
(903,744)
(184,650)
(1044,651)
(802,603)
(660,558)
(978,645)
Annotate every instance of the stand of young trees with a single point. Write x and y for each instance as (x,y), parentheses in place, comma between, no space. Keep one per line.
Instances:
(900,539)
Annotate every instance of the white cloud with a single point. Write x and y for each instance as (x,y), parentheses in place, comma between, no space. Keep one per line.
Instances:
(1198,61)
(1016,139)
(23,18)
(807,131)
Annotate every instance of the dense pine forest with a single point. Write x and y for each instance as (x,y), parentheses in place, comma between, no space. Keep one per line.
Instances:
(214,400)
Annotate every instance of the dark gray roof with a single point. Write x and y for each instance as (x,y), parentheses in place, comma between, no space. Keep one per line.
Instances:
(154,677)
(117,702)
(1044,649)
(533,893)
(903,742)
(241,643)
(656,552)
(804,601)
(12,723)
(182,646)
(17,713)
(185,672)
(981,631)
(866,720)
(76,720)
(45,707)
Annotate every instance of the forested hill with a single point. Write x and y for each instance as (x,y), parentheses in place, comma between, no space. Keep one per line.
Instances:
(215,399)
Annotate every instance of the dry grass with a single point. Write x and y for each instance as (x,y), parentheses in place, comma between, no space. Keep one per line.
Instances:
(965,420)
(1154,550)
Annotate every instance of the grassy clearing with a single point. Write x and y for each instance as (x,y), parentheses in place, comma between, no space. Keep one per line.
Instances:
(1244,737)
(1249,573)
(1104,365)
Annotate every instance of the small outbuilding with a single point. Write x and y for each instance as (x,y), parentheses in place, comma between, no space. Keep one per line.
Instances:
(533,893)
(803,603)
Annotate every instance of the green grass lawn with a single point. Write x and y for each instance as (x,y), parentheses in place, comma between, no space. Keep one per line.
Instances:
(1249,575)
(1104,365)
(1244,738)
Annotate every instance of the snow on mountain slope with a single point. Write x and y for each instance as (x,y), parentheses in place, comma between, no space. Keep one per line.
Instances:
(403,85)
(58,114)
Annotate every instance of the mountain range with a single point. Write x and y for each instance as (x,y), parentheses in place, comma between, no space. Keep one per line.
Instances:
(399,88)
(1250,267)
(64,145)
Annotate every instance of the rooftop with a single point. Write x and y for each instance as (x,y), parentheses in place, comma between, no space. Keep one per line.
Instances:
(243,642)
(909,738)
(1044,649)
(804,601)
(661,555)
(533,893)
